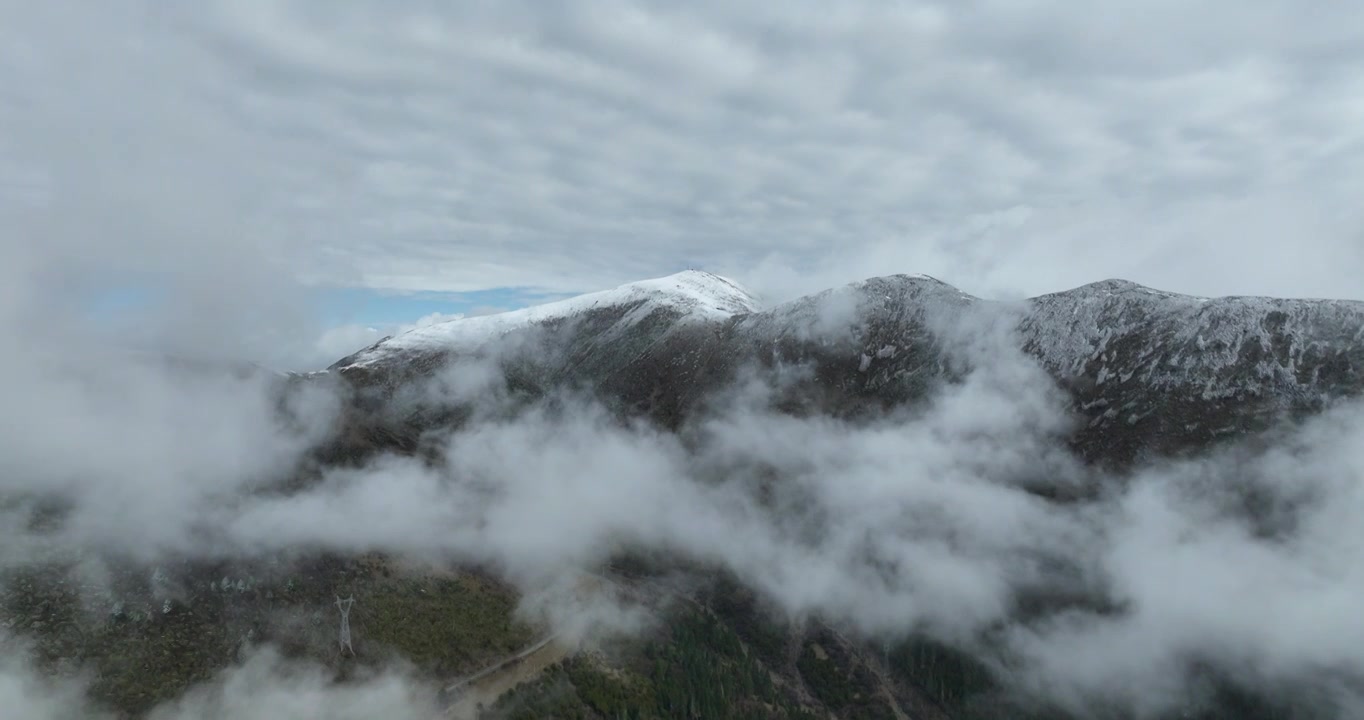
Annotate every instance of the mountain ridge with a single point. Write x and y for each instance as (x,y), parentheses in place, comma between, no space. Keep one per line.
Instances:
(1164,371)
(687,294)
(1144,374)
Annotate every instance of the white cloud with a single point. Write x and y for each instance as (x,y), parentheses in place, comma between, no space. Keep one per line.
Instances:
(916,522)
(266,685)
(236,151)
(263,684)
(342,340)
(431,319)
(468,146)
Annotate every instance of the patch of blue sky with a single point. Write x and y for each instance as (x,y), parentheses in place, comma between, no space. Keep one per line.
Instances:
(332,306)
(119,302)
(378,308)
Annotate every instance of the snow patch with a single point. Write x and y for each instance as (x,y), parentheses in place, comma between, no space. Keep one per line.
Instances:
(1181,334)
(694,295)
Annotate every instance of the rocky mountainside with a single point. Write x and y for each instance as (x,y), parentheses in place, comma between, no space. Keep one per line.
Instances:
(1143,372)
(1147,372)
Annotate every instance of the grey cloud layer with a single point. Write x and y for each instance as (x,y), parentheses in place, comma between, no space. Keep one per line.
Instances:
(917,523)
(430,146)
(240,147)
(262,685)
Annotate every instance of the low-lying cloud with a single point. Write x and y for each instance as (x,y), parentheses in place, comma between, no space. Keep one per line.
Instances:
(922,521)
(224,158)
(262,684)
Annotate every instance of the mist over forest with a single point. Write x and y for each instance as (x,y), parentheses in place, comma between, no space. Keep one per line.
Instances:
(513,362)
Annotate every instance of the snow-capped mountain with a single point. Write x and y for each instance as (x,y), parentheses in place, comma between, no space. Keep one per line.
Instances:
(1146,370)
(686,297)
(1183,370)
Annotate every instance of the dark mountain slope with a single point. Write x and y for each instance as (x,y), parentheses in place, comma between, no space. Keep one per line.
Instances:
(1147,372)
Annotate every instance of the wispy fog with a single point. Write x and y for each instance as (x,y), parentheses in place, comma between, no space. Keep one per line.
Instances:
(1242,561)
(224,159)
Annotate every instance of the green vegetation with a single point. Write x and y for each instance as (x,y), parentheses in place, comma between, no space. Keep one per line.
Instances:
(142,645)
(738,608)
(140,657)
(146,638)
(699,669)
(141,663)
(962,686)
(844,685)
(702,670)
(578,689)
(948,677)
(446,626)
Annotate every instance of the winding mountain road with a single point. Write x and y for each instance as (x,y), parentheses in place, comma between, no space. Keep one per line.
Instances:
(531,649)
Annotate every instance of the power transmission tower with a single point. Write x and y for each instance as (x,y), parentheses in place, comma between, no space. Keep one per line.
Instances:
(344,607)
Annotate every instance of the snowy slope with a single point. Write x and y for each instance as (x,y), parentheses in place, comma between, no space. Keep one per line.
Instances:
(688,296)
(839,313)
(1171,338)
(1145,370)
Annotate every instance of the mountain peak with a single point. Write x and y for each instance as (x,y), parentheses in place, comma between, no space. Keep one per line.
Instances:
(684,296)
(693,290)
(1116,286)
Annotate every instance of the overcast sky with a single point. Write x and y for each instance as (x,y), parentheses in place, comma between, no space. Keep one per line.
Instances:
(523,147)
(286,180)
